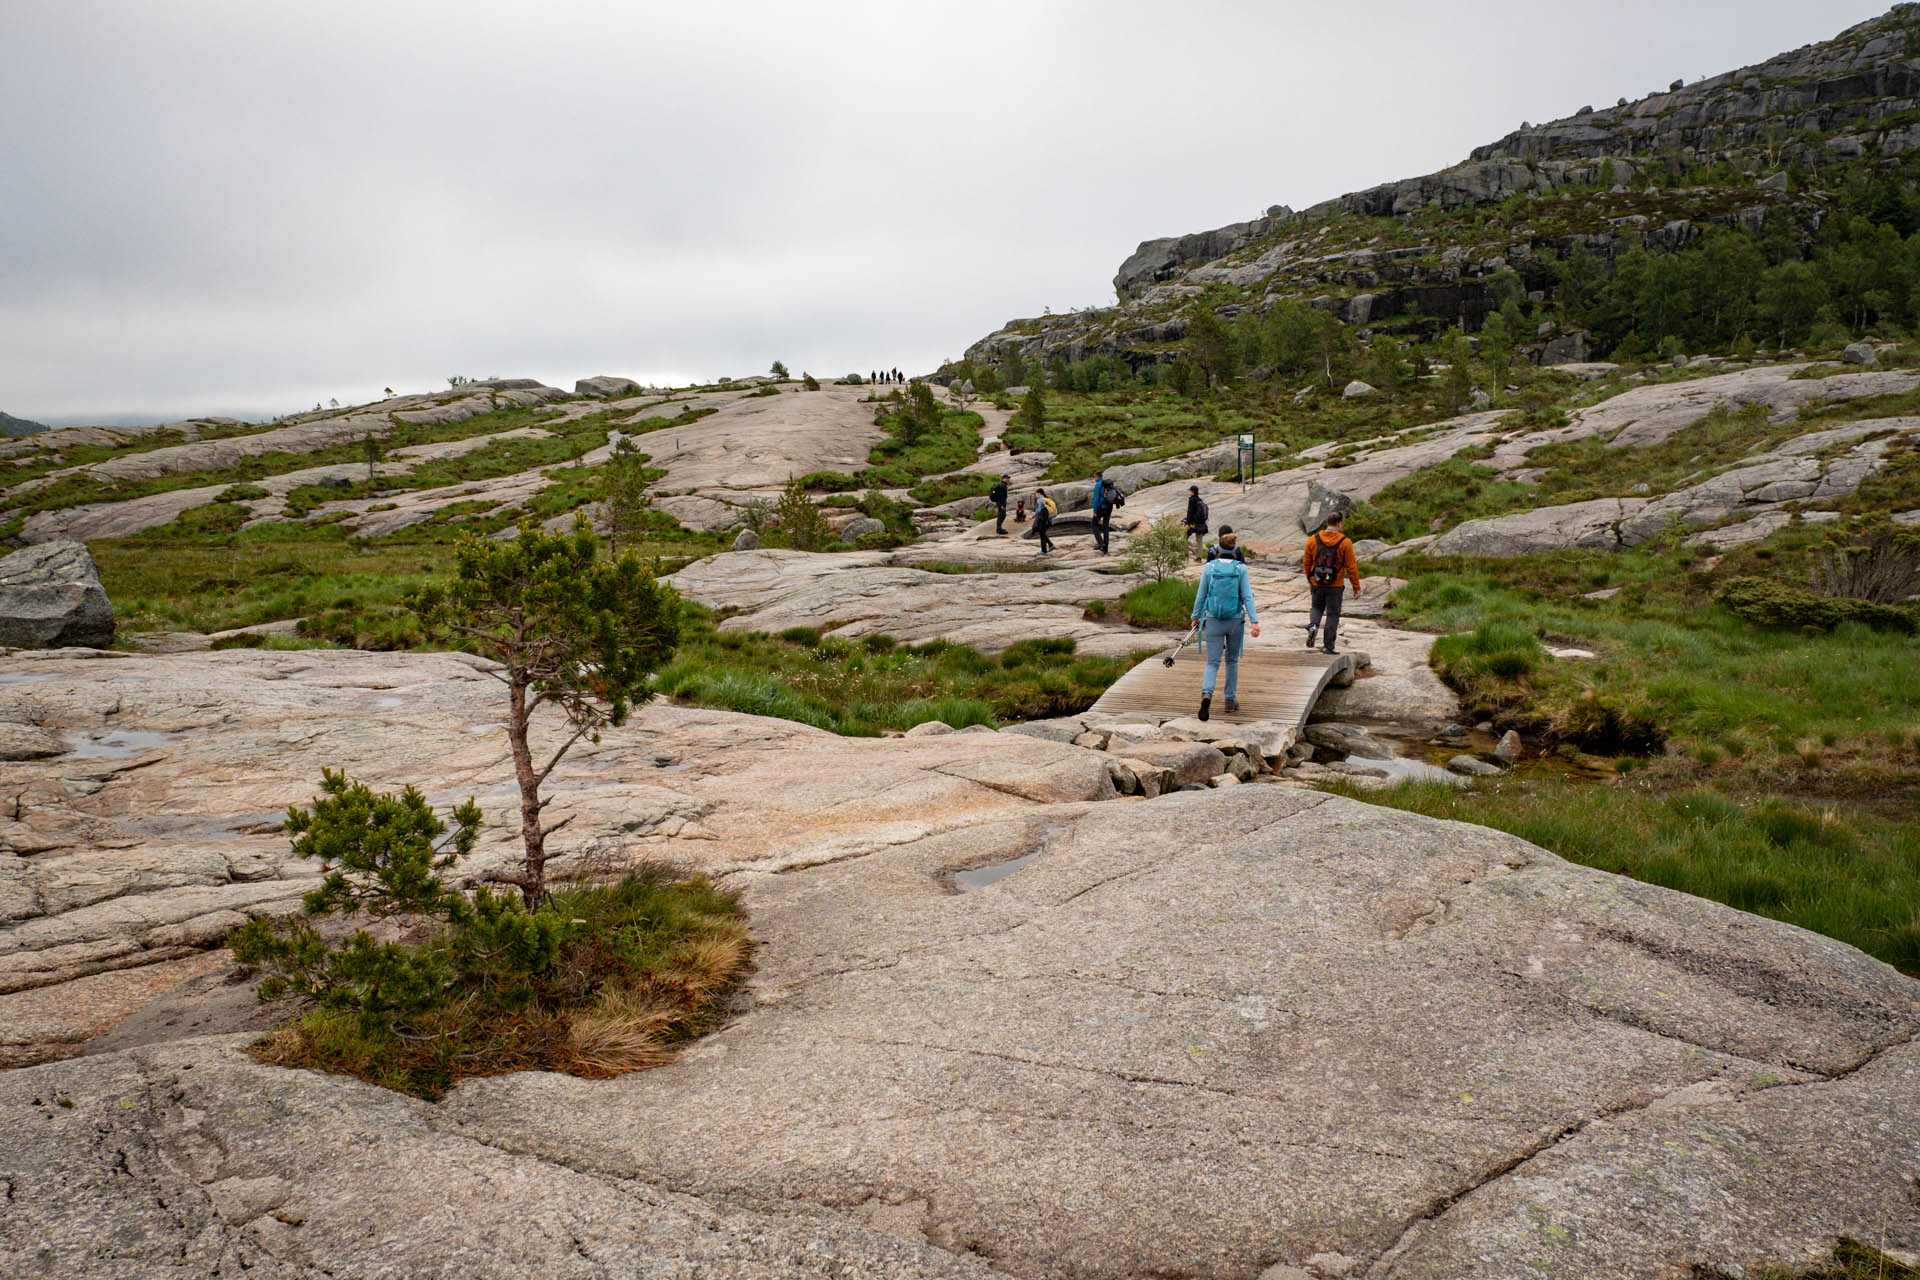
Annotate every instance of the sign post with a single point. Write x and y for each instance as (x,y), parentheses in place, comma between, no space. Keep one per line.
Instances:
(1246,456)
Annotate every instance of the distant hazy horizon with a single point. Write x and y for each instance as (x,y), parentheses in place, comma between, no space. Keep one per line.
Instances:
(222,207)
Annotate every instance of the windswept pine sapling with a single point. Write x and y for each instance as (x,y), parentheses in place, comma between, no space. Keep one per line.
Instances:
(380,854)
(624,500)
(569,630)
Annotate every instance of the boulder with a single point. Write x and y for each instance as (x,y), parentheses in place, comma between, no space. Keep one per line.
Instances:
(1048,730)
(1223,780)
(1322,503)
(1507,750)
(746,540)
(1479,401)
(1347,739)
(51,598)
(1472,767)
(1357,390)
(930,729)
(1189,762)
(1567,349)
(860,528)
(606,388)
(1367,548)
(1860,353)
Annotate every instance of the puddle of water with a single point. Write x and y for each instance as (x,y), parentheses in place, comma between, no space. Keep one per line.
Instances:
(121,744)
(993,873)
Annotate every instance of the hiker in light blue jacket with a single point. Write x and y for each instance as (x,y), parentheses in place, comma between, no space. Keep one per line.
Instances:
(1224,595)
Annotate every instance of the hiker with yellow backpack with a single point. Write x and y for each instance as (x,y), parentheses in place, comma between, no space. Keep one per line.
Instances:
(1328,558)
(1044,510)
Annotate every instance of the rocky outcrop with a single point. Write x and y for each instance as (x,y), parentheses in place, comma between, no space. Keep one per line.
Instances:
(50,597)
(607,388)
(1594,524)
(1373,1041)
(860,593)
(1853,96)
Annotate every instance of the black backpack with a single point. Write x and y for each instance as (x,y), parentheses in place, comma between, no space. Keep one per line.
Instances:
(1205,515)
(1326,561)
(998,494)
(1116,495)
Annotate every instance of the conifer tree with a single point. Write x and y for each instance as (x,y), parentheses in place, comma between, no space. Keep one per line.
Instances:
(570,630)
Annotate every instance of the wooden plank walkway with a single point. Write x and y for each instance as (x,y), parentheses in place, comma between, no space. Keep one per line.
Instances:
(1278,685)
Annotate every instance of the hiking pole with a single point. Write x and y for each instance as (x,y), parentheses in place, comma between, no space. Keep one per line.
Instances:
(1183,644)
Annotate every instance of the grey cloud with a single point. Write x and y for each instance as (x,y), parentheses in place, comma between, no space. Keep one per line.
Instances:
(245,206)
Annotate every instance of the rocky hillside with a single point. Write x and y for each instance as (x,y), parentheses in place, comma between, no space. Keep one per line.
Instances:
(1776,148)
(12,426)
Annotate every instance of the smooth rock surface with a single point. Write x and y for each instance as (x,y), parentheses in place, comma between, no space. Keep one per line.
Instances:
(1364,1039)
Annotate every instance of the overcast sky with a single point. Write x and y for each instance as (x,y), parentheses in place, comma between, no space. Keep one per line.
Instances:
(233,206)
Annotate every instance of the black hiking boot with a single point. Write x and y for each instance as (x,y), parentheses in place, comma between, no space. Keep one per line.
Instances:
(1206,705)
(1313,633)
(1233,706)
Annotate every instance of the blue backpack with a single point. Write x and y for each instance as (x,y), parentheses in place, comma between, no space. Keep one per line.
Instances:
(1221,580)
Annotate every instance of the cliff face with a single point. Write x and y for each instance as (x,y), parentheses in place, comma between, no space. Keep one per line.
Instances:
(1765,134)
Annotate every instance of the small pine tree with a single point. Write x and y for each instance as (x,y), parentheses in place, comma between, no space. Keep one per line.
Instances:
(805,528)
(380,854)
(569,630)
(778,370)
(624,500)
(809,382)
(920,416)
(1032,413)
(370,450)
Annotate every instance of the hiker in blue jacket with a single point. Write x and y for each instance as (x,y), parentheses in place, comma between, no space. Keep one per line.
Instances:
(1224,595)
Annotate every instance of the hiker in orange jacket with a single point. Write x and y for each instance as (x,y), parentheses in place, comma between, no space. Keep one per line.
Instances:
(1328,558)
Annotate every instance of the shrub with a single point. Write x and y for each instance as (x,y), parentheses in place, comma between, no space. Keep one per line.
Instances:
(242,493)
(809,382)
(805,528)
(1769,603)
(1874,560)
(828,482)
(600,980)
(1161,549)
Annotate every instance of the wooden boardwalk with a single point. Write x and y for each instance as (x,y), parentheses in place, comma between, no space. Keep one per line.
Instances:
(1278,685)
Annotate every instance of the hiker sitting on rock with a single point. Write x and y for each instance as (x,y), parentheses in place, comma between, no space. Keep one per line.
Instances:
(1224,595)
(1328,558)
